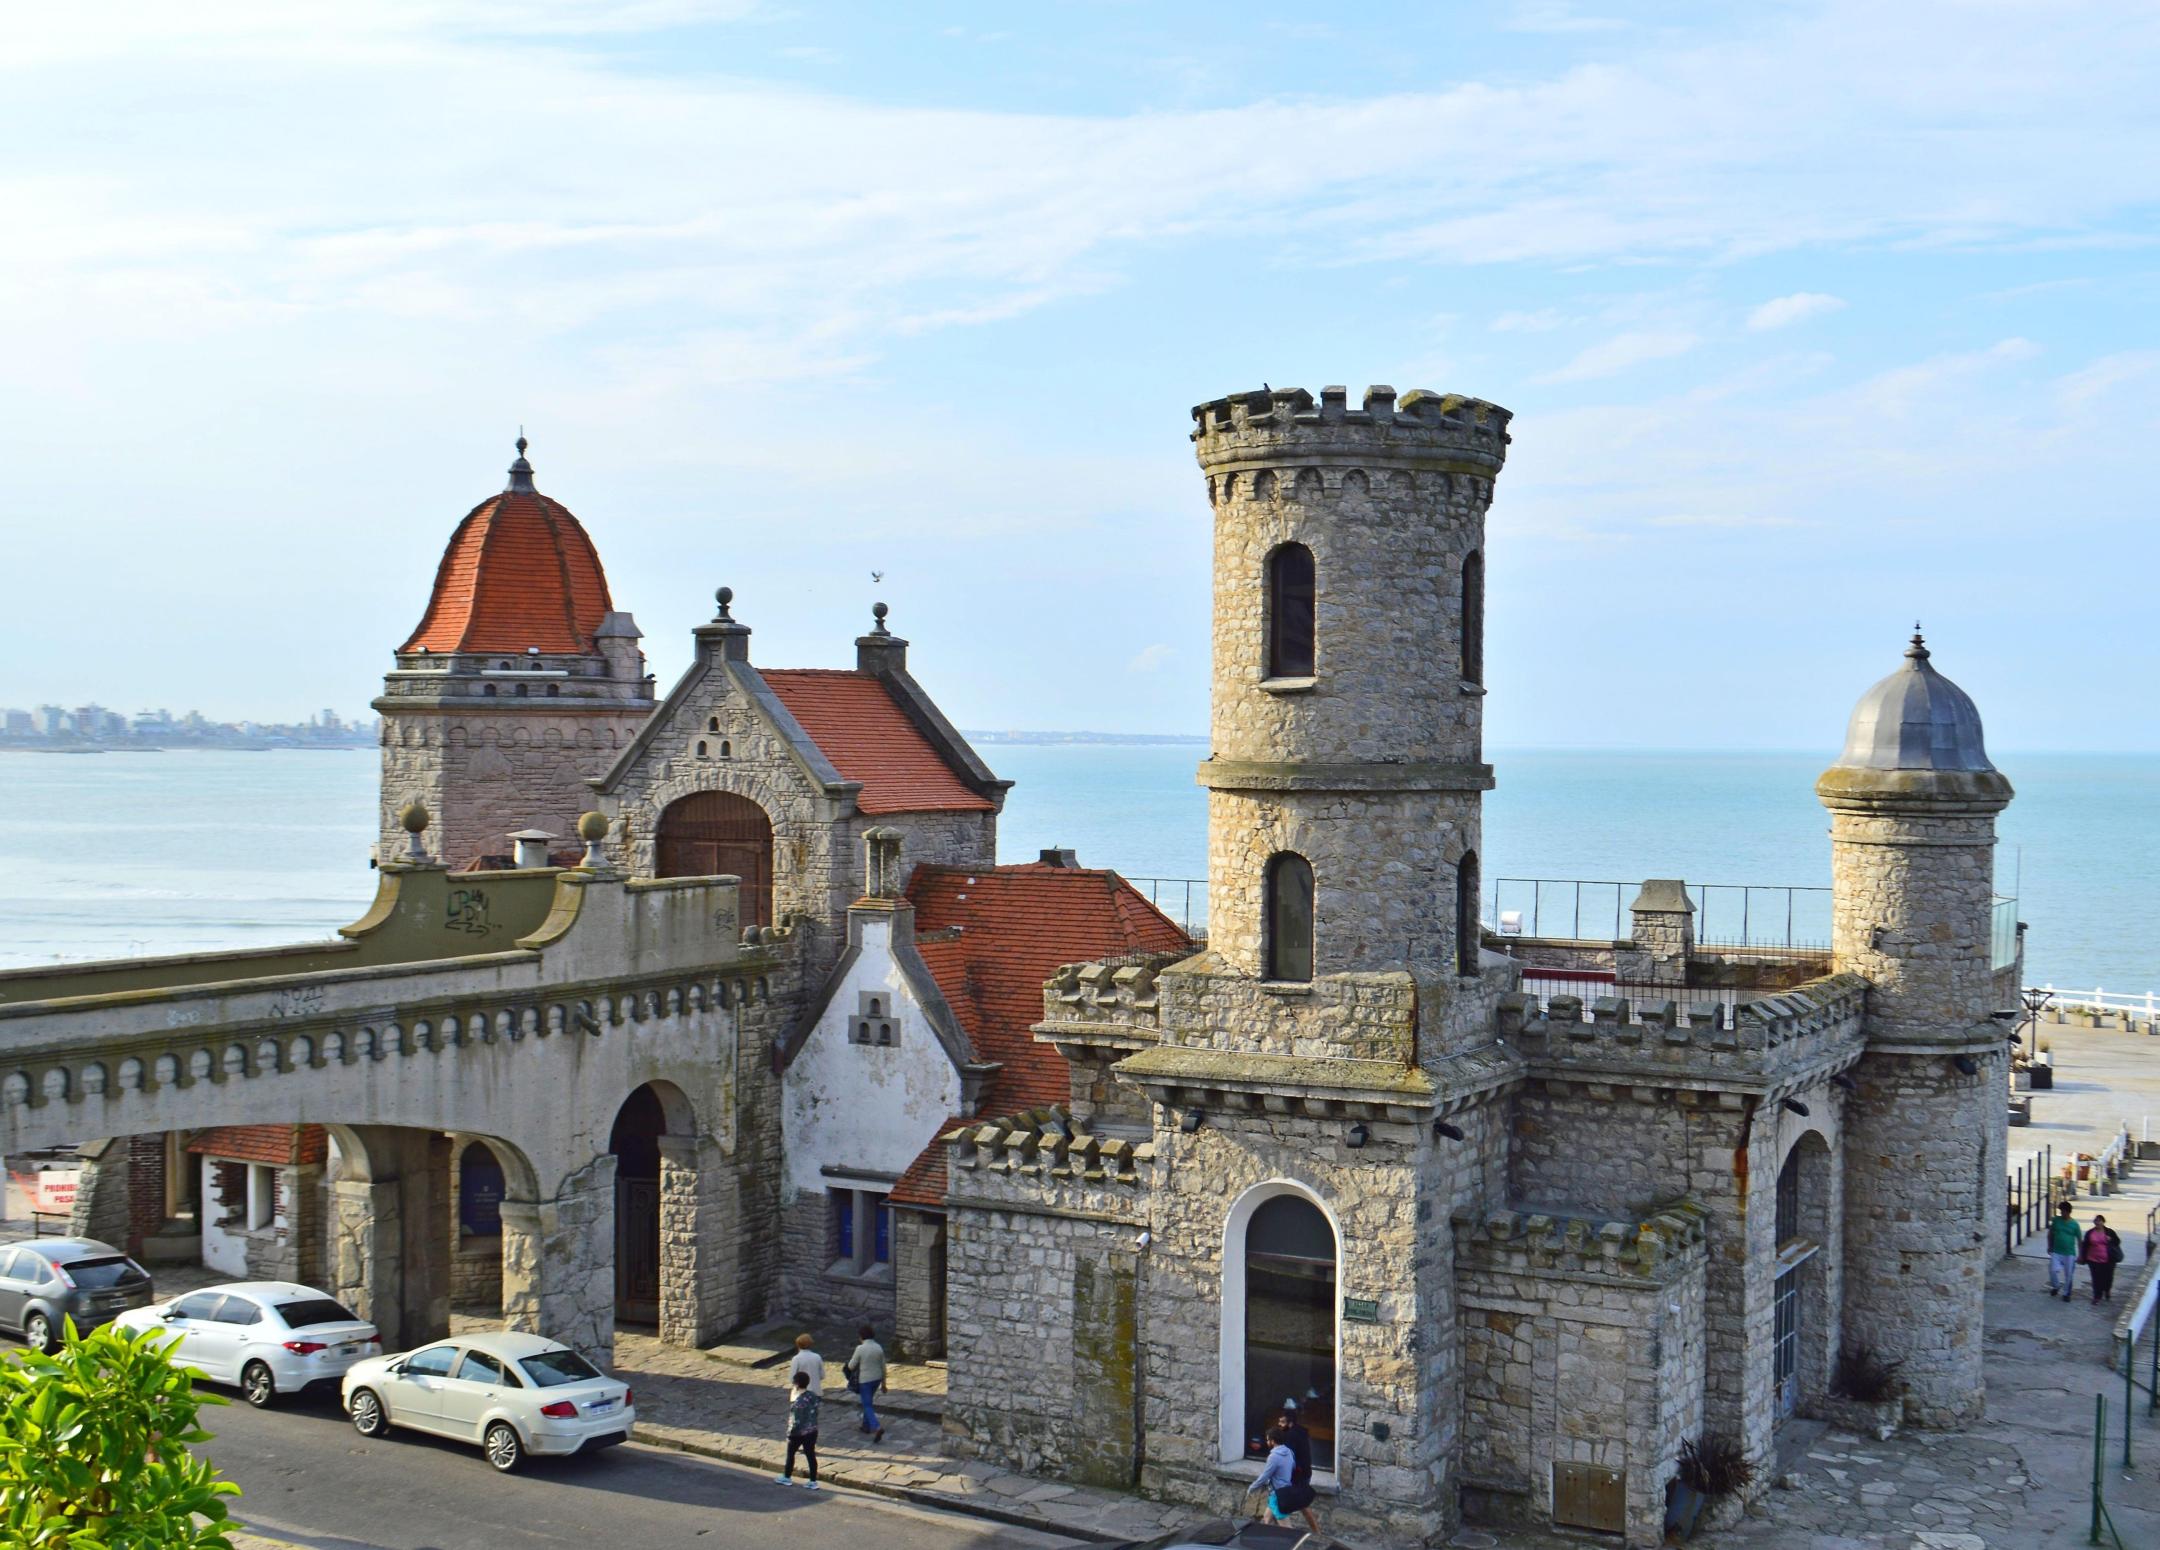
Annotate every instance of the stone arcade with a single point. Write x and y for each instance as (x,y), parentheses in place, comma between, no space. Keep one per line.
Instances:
(695,1010)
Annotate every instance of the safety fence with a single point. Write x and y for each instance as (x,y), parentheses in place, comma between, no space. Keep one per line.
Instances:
(2032,1197)
(1183,899)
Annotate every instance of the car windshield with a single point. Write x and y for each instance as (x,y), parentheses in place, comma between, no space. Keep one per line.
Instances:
(97,1274)
(550,1368)
(303,1312)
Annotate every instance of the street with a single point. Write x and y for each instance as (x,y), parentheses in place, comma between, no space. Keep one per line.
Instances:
(308,1477)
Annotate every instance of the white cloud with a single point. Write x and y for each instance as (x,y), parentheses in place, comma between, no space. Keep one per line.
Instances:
(1542,321)
(1621,352)
(1784,311)
(1152,659)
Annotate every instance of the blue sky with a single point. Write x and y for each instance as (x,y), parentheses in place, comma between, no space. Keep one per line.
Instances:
(1815,318)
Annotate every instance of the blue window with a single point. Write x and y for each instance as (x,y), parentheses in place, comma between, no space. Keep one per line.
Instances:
(843,1214)
(882,1253)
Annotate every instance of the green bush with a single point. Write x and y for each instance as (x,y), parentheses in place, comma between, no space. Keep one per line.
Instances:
(94,1450)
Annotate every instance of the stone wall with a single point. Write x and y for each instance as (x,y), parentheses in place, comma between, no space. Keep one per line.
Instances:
(1912,912)
(484,774)
(120,1191)
(919,1285)
(812,1291)
(1584,1343)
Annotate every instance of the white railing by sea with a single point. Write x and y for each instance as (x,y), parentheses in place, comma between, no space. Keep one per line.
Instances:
(2147,1004)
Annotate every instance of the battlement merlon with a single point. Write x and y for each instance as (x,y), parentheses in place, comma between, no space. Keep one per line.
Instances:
(1420,430)
(1109,1004)
(1669,1243)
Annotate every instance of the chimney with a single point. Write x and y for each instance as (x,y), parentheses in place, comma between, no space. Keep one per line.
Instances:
(881,863)
(725,636)
(1061,858)
(531,847)
(880,651)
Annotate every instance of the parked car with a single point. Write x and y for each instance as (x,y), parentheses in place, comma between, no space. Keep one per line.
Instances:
(511,1393)
(269,1337)
(44,1282)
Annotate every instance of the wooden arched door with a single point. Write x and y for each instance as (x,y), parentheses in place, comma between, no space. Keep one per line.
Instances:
(715,832)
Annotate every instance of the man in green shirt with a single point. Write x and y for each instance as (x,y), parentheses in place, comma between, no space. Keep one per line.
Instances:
(2062,1252)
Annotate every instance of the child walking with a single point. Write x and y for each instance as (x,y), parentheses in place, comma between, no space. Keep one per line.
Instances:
(802,1431)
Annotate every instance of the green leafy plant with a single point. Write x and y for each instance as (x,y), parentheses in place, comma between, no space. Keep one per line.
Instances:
(1864,1374)
(1715,1466)
(94,1444)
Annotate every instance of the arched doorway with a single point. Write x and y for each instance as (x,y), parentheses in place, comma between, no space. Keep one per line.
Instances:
(1803,1338)
(1279,1321)
(476,1228)
(635,1141)
(711,833)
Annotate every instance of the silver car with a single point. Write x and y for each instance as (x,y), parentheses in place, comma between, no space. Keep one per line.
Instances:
(269,1337)
(44,1282)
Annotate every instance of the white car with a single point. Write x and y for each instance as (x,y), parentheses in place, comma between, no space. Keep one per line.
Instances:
(269,1337)
(512,1393)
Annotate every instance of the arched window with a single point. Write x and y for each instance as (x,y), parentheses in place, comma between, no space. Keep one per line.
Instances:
(1473,618)
(701,749)
(1291,651)
(1289,924)
(1289,1323)
(480,1192)
(1466,915)
(716,832)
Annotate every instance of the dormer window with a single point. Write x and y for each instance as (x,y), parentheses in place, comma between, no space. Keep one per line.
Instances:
(1291,643)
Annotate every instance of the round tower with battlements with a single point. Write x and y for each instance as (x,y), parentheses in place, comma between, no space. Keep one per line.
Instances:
(1913,800)
(1347,764)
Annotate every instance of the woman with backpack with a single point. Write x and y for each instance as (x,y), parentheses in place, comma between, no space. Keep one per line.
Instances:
(2102,1252)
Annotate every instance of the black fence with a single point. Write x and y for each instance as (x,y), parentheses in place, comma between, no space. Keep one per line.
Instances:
(2031,1185)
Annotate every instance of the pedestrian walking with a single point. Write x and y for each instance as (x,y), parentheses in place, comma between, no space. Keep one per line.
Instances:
(865,1373)
(1275,1475)
(803,1404)
(1298,1495)
(2103,1252)
(807,1361)
(2063,1236)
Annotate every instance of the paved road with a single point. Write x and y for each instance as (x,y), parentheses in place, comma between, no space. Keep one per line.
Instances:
(308,1477)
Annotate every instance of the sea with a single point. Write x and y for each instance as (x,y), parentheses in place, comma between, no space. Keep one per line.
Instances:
(116,855)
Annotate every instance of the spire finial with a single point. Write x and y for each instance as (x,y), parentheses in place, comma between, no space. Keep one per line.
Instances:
(724,597)
(877,613)
(521,471)
(1917,651)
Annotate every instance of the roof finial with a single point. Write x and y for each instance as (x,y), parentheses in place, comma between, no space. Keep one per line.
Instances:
(521,471)
(1917,651)
(723,597)
(877,613)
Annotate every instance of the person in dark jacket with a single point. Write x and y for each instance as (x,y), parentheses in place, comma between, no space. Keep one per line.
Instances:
(1298,1495)
(2103,1252)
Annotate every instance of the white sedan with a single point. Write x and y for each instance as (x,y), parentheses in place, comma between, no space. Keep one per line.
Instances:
(512,1393)
(269,1337)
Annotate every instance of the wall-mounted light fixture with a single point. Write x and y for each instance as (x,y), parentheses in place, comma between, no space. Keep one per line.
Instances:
(1191,1121)
(1966,1064)
(1441,1127)
(1359,1135)
(1843,1082)
(1797,1107)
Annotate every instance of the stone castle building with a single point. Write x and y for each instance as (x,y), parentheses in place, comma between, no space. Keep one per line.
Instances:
(1508,1248)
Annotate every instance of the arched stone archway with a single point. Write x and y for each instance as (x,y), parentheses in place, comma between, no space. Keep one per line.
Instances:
(1280,1326)
(1804,1294)
(716,833)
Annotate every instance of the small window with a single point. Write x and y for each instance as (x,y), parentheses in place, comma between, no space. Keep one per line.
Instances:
(881,1250)
(1473,618)
(701,753)
(434,1362)
(1288,927)
(843,1215)
(489,691)
(712,723)
(1466,915)
(1291,592)
(479,1367)
(238,1310)
(262,1195)
(521,691)
(554,691)
(727,749)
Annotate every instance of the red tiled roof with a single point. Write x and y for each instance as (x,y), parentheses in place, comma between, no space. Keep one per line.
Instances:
(924,1182)
(277,1145)
(1018,925)
(518,572)
(861,728)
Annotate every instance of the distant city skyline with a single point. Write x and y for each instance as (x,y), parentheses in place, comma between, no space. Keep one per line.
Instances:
(1815,318)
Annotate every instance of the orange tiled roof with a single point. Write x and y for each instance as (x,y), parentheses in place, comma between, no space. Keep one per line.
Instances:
(924,1182)
(861,728)
(518,572)
(1018,925)
(277,1145)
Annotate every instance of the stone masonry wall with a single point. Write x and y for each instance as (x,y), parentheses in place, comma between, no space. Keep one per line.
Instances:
(919,1272)
(1911,910)
(485,774)
(811,1292)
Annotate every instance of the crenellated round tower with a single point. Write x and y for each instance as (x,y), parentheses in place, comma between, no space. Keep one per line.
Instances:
(1913,800)
(1347,761)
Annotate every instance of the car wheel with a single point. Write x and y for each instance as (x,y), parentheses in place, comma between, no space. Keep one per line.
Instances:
(257,1384)
(504,1450)
(38,1334)
(367,1414)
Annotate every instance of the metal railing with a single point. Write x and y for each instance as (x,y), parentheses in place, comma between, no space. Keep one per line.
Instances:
(1726,914)
(1589,984)
(2100,1518)
(2031,1199)
(2096,1000)
(1187,898)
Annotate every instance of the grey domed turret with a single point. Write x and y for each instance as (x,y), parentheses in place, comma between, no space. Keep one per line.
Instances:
(1915,719)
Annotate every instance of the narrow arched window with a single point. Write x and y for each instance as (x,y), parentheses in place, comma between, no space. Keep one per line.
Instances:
(1466,915)
(1289,924)
(1473,618)
(1290,620)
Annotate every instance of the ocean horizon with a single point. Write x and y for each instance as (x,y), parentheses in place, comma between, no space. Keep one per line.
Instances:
(135,854)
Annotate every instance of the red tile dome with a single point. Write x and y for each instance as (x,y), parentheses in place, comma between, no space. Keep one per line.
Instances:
(519,572)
